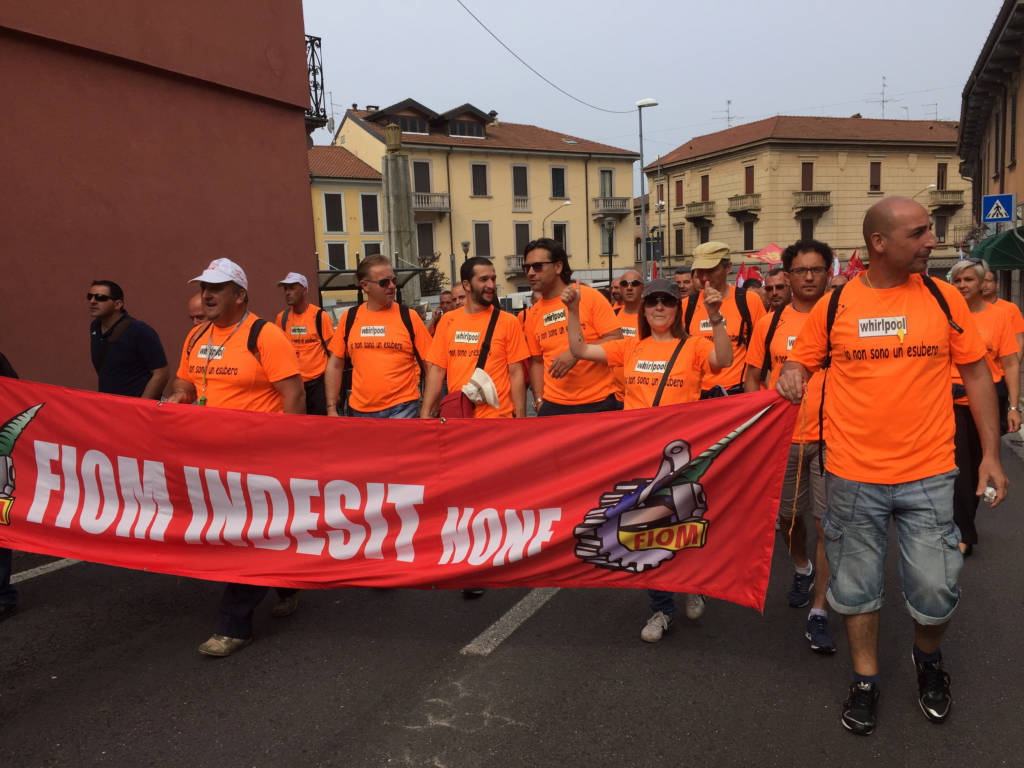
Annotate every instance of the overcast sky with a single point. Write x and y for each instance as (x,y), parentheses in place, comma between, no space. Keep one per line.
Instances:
(795,58)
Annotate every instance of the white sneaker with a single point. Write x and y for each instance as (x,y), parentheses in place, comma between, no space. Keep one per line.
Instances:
(694,607)
(655,627)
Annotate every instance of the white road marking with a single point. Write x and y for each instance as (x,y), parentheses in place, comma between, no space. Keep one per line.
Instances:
(42,569)
(484,643)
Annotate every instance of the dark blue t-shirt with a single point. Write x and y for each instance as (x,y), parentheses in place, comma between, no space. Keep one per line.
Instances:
(130,359)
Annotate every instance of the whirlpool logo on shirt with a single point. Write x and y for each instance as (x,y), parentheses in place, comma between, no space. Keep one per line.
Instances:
(467,337)
(208,352)
(628,332)
(790,341)
(650,366)
(558,316)
(298,330)
(868,327)
(373,331)
(706,326)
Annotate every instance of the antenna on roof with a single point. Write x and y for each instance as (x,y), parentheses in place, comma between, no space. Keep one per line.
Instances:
(727,114)
(935,107)
(882,100)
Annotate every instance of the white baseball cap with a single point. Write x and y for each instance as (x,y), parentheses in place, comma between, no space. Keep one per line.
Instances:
(223,271)
(294,277)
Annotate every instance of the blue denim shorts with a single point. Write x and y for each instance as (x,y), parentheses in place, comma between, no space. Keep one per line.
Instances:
(856,528)
(410,410)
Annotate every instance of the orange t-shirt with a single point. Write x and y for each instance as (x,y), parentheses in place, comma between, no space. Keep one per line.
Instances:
(228,375)
(456,347)
(546,335)
(1013,312)
(888,394)
(999,340)
(643,364)
(384,370)
(301,331)
(700,325)
(786,332)
(628,324)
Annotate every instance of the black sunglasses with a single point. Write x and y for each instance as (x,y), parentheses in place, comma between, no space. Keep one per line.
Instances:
(384,282)
(660,298)
(100,297)
(631,283)
(535,266)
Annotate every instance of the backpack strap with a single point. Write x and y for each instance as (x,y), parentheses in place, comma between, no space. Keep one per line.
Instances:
(943,304)
(691,307)
(746,325)
(668,370)
(616,310)
(407,321)
(826,363)
(284,319)
(767,363)
(194,338)
(254,335)
(485,348)
(320,328)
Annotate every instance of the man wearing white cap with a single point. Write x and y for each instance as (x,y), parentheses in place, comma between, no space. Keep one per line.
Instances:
(309,329)
(237,360)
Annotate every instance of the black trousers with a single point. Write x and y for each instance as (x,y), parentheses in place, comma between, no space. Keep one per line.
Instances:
(237,605)
(316,396)
(967,445)
(560,409)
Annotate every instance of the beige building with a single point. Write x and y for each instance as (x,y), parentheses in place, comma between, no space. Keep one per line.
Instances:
(484,187)
(346,196)
(990,133)
(786,178)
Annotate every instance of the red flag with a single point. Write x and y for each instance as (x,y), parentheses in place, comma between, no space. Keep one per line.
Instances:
(229,495)
(854,267)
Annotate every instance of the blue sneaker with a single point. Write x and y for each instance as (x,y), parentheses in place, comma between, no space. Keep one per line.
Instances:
(817,632)
(800,595)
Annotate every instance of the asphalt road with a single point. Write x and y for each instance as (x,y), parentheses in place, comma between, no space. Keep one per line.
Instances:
(100,668)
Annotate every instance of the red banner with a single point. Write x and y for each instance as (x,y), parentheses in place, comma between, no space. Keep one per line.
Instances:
(656,498)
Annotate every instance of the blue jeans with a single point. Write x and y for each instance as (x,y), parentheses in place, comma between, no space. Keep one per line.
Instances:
(662,601)
(410,410)
(856,527)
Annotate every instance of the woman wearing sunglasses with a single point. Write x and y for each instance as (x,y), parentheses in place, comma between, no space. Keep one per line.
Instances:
(660,344)
(1002,357)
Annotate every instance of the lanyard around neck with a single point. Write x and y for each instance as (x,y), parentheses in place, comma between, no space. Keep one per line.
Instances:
(209,352)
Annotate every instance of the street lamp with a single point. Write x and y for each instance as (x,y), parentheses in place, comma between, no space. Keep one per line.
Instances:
(930,186)
(609,224)
(465,249)
(640,105)
(545,219)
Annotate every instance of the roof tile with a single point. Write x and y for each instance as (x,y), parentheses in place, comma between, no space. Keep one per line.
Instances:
(338,163)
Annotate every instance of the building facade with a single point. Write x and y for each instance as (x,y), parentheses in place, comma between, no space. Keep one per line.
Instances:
(990,133)
(346,197)
(482,187)
(787,178)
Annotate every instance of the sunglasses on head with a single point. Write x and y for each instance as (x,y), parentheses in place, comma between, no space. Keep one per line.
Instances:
(100,297)
(535,266)
(660,298)
(630,283)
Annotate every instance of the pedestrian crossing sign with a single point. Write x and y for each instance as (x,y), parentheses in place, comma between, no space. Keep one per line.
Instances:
(996,208)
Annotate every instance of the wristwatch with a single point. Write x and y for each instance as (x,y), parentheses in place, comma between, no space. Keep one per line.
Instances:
(1014,408)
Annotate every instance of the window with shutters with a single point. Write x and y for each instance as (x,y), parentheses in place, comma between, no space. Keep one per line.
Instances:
(424,238)
(521,233)
(748,235)
(479,172)
(560,232)
(482,238)
(679,193)
(371,219)
(940,176)
(806,177)
(875,180)
(748,180)
(334,212)
(679,241)
(421,176)
(558,182)
(705,188)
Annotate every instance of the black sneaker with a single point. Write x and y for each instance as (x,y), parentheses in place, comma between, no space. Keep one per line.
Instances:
(800,595)
(817,632)
(859,708)
(933,690)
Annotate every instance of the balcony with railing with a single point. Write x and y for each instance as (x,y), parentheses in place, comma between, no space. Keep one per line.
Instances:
(946,198)
(700,210)
(514,265)
(436,202)
(816,200)
(744,205)
(611,206)
(520,204)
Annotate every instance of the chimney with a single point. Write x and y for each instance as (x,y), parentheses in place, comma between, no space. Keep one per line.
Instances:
(372,107)
(494,117)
